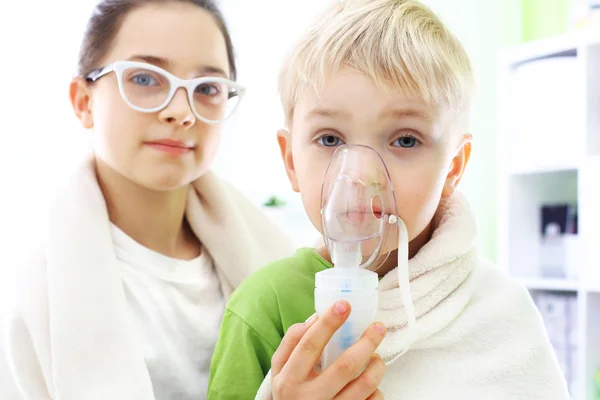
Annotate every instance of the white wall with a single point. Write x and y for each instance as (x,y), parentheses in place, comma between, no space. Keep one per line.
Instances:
(249,155)
(261,43)
(39,134)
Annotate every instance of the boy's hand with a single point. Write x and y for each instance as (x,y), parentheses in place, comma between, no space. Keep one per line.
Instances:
(293,363)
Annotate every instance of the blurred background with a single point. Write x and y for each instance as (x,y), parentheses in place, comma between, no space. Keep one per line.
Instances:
(533,179)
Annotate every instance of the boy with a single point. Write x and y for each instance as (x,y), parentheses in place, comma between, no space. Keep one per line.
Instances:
(387,74)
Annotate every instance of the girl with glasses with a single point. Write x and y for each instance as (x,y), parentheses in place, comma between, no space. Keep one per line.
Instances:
(122,298)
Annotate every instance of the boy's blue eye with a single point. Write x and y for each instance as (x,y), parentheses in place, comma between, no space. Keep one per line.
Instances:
(406,142)
(329,141)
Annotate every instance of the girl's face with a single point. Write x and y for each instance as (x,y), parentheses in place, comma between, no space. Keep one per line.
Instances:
(170,148)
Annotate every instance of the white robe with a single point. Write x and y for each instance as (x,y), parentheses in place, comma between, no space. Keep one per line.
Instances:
(68,334)
(478,334)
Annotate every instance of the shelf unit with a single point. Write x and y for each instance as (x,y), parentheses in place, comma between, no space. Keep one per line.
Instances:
(549,153)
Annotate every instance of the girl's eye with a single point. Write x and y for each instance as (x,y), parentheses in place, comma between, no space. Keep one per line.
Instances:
(207,89)
(406,142)
(144,80)
(329,141)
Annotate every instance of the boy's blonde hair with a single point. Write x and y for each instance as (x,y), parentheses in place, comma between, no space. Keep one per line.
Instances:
(400,44)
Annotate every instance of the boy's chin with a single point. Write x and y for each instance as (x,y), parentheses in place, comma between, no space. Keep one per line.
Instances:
(385,263)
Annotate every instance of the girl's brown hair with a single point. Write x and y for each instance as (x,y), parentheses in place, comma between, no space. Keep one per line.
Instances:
(106,20)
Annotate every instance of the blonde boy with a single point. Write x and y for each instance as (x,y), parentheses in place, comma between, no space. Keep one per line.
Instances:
(389,75)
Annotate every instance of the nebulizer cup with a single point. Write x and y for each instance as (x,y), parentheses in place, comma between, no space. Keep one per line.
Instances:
(360,228)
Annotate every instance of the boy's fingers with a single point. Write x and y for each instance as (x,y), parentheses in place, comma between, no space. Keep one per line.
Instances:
(288,344)
(376,396)
(365,386)
(308,351)
(354,359)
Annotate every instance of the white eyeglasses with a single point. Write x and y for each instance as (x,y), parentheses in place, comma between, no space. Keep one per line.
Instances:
(148,88)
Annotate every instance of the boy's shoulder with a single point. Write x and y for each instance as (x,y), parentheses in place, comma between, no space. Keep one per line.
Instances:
(304,263)
(283,289)
(297,269)
(492,282)
(500,303)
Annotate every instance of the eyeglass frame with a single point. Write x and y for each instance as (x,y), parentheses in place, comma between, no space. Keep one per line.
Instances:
(175,84)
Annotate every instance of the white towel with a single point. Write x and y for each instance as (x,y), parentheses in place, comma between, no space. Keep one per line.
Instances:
(68,334)
(478,334)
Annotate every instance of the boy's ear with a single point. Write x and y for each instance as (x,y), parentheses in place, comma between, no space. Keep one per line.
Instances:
(284,138)
(80,95)
(458,166)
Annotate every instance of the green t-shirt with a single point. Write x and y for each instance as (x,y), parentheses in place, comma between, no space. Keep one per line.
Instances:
(257,316)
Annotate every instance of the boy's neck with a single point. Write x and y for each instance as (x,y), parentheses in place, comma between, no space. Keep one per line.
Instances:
(421,240)
(152,218)
(414,247)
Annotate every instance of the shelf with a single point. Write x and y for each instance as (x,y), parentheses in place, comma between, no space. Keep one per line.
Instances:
(543,168)
(559,285)
(557,161)
(563,45)
(550,284)
(593,288)
(556,46)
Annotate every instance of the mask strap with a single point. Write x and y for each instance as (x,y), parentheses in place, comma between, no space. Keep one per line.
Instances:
(404,283)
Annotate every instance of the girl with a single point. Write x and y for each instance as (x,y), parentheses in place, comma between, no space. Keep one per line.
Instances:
(124,295)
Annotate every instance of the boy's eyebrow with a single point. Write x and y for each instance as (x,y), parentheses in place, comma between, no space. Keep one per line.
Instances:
(396,113)
(164,64)
(399,113)
(327,112)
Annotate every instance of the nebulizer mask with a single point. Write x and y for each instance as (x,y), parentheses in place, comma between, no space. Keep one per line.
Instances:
(361,228)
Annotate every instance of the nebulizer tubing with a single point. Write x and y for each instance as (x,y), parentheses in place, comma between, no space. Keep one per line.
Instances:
(404,286)
(351,229)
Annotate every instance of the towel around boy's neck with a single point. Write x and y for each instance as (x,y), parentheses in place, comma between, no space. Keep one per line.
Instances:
(437,273)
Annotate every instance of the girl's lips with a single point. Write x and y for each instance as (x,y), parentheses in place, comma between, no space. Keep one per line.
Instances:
(173,147)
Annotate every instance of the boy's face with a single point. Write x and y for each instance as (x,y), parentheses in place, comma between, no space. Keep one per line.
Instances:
(422,146)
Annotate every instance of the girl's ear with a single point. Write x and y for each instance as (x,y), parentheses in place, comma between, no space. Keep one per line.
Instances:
(80,95)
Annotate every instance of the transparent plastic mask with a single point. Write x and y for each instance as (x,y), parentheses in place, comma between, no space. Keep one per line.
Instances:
(357,200)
